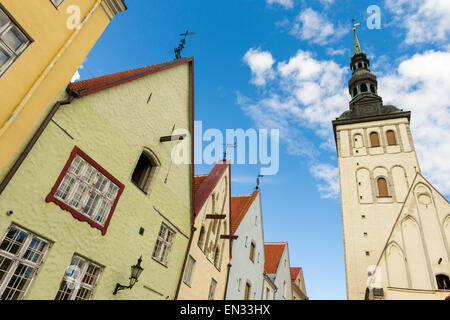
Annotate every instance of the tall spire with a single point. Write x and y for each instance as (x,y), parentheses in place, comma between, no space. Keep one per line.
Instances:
(356,45)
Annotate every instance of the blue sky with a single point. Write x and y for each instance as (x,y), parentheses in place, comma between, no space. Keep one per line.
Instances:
(284,64)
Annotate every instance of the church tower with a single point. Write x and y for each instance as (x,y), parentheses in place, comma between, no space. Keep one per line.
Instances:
(377,165)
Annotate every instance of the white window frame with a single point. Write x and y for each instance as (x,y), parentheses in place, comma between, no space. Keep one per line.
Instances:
(15,54)
(189,272)
(165,240)
(19,259)
(212,289)
(83,176)
(77,280)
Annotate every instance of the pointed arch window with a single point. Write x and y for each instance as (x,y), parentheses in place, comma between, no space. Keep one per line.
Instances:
(374,139)
(390,135)
(382,188)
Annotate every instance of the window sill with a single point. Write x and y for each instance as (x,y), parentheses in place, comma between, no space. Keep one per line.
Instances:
(134,184)
(387,197)
(159,262)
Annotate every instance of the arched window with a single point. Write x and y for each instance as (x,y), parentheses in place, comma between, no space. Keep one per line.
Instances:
(443,282)
(284,289)
(372,88)
(382,187)
(359,65)
(145,171)
(355,91)
(374,140)
(364,87)
(391,138)
(201,237)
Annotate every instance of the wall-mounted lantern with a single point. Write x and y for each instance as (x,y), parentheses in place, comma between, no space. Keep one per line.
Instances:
(136,271)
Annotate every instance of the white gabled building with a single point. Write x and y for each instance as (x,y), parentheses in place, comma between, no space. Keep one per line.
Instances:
(277,267)
(246,276)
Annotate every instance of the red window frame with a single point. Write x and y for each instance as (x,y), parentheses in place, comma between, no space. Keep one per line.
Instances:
(77,215)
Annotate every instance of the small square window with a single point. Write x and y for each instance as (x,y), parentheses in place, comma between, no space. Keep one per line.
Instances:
(365,234)
(363,216)
(190,265)
(163,244)
(80,280)
(367,253)
(13,40)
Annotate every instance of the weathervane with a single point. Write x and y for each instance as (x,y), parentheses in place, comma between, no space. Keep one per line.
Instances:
(355,24)
(258,181)
(234,145)
(182,43)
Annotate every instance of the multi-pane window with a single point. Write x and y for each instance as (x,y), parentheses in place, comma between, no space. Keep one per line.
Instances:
(13,41)
(79,281)
(163,244)
(21,255)
(57,3)
(188,273)
(212,289)
(87,191)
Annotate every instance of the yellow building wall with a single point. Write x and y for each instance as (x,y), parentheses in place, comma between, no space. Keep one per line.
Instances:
(204,268)
(112,127)
(26,81)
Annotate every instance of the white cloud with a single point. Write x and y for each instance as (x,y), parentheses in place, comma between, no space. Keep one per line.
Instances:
(314,27)
(307,94)
(76,76)
(329,175)
(260,63)
(420,84)
(425,21)
(287,4)
(337,52)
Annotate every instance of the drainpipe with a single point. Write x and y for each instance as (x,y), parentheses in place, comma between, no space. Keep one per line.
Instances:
(32,142)
(226,285)
(44,74)
(193,229)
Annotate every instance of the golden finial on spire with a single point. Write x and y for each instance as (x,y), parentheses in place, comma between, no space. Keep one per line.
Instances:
(354,26)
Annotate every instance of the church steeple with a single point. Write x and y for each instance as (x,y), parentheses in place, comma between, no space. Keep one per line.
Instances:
(356,45)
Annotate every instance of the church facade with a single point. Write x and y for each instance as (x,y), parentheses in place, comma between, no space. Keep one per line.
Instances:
(378,167)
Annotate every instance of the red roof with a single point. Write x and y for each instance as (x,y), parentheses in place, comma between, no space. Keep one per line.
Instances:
(294,273)
(198,179)
(273,253)
(239,207)
(207,184)
(89,86)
